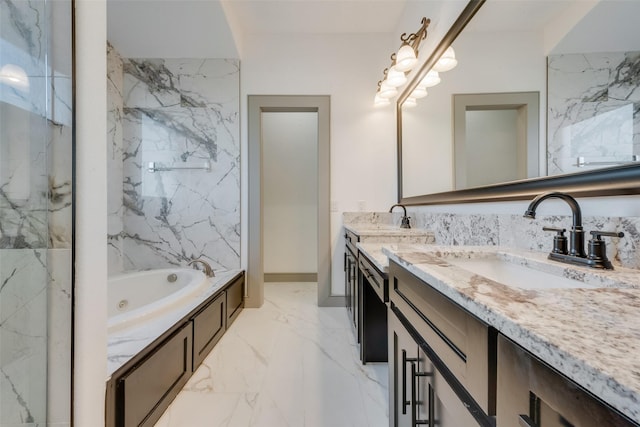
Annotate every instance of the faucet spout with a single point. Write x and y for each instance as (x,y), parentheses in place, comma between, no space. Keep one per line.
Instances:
(576,243)
(405,219)
(573,204)
(208,271)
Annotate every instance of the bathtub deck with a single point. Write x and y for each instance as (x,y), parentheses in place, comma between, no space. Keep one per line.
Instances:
(123,345)
(288,363)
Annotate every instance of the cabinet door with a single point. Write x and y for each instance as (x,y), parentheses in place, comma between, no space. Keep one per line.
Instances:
(532,394)
(403,354)
(208,328)
(147,390)
(235,299)
(352,286)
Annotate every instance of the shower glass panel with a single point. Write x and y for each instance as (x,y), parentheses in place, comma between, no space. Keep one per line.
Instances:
(35,212)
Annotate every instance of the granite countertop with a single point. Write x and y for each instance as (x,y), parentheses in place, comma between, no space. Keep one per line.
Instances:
(590,335)
(388,230)
(373,252)
(124,344)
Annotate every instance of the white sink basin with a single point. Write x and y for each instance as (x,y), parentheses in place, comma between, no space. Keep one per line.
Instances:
(512,271)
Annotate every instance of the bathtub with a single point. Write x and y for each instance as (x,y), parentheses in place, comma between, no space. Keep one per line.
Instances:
(136,297)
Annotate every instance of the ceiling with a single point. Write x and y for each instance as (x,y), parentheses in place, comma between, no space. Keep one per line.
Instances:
(212,28)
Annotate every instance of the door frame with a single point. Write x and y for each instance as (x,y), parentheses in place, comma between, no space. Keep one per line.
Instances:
(258,104)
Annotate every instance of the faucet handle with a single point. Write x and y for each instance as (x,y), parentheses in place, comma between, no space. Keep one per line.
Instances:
(598,249)
(559,240)
(597,235)
(560,231)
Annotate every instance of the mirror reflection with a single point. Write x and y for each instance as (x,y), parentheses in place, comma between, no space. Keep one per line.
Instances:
(588,53)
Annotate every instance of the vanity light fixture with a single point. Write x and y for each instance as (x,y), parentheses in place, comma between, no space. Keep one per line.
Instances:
(379,101)
(447,61)
(402,62)
(395,78)
(410,102)
(419,92)
(431,79)
(385,90)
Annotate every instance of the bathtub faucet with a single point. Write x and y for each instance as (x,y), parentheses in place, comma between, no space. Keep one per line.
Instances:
(208,271)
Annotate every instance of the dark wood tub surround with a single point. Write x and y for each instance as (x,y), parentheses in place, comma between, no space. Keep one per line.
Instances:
(140,391)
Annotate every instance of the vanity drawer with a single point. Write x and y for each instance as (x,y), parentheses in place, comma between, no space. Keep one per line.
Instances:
(351,240)
(377,280)
(465,344)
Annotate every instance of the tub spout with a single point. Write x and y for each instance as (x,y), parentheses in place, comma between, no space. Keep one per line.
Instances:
(208,271)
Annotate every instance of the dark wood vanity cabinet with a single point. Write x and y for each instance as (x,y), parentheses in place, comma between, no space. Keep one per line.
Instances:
(351,278)
(448,371)
(530,394)
(372,311)
(420,393)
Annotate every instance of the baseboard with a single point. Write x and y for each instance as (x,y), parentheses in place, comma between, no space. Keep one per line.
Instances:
(290,277)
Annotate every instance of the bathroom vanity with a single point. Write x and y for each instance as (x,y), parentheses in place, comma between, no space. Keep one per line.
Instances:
(366,287)
(140,390)
(470,350)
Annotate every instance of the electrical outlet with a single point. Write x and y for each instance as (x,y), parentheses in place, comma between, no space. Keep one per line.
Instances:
(335,207)
(362,205)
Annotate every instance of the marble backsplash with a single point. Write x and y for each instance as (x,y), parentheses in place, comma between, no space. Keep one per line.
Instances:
(180,114)
(513,231)
(594,109)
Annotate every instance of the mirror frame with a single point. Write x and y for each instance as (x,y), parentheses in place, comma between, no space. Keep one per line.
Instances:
(613,181)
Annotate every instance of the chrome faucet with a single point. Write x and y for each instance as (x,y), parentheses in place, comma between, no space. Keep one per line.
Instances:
(405,218)
(597,257)
(208,271)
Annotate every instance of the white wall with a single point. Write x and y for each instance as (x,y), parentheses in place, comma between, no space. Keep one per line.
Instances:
(346,67)
(290,192)
(90,340)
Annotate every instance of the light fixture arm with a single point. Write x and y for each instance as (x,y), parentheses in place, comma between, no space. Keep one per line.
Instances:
(396,74)
(414,39)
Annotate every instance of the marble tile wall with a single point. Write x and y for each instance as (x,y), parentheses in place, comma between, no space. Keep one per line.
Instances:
(594,109)
(178,113)
(35,212)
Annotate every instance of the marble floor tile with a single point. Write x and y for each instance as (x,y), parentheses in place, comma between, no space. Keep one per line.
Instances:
(288,363)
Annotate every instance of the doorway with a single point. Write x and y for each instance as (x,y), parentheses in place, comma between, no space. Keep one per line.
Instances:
(260,108)
(495,138)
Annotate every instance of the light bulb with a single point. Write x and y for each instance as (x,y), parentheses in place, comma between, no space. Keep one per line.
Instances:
(410,102)
(419,92)
(431,79)
(387,91)
(405,58)
(395,78)
(379,101)
(447,61)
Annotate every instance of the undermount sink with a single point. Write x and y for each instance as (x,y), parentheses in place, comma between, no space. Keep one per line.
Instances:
(512,271)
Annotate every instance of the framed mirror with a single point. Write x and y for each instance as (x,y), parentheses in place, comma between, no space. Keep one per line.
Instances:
(581,60)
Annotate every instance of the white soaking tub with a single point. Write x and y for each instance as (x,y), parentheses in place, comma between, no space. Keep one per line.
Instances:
(137,297)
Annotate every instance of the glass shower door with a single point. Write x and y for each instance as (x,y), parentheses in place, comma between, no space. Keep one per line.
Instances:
(35,211)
